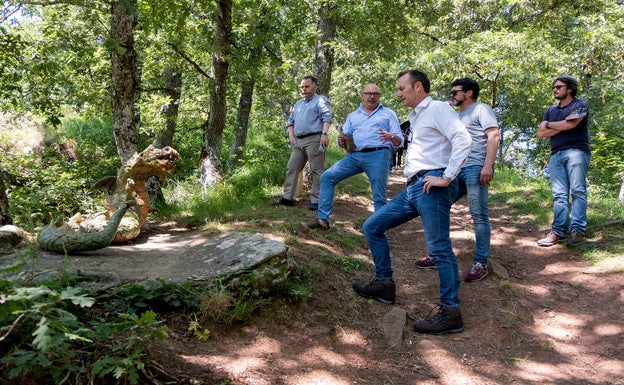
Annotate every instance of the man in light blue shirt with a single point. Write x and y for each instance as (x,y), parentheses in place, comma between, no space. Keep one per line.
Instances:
(307,127)
(375,131)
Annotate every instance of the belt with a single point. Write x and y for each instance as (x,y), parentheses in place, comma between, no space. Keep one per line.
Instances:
(371,149)
(306,135)
(420,174)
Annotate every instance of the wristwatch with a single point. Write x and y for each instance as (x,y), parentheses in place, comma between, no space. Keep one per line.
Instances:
(393,138)
(324,133)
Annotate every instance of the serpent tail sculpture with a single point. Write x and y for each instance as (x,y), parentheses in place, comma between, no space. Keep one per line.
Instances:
(128,188)
(62,238)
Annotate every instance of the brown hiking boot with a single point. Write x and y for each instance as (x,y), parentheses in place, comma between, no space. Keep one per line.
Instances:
(446,320)
(319,224)
(576,237)
(551,239)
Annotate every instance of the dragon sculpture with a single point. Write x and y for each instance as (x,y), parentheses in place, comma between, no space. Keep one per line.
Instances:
(117,223)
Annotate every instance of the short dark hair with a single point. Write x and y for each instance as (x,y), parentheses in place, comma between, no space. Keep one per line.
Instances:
(570,83)
(417,76)
(314,81)
(468,84)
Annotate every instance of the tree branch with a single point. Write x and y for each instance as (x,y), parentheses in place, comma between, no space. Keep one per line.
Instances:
(13,326)
(197,67)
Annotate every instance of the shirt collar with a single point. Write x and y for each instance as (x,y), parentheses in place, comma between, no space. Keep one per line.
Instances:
(422,105)
(379,106)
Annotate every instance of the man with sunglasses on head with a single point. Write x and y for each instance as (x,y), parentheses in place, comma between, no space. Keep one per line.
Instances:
(475,176)
(566,126)
(375,132)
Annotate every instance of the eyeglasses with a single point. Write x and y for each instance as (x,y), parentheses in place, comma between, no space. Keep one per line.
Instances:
(375,94)
(558,86)
(455,92)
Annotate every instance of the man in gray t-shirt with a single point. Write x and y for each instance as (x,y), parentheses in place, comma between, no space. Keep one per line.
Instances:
(476,174)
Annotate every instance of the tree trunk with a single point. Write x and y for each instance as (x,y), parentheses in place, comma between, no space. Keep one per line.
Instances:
(244,107)
(124,78)
(323,64)
(324,56)
(621,196)
(210,158)
(5,216)
(173,91)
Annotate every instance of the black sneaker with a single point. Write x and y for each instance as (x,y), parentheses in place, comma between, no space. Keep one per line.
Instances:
(382,291)
(283,202)
(447,320)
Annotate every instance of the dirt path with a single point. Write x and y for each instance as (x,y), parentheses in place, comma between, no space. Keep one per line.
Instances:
(556,320)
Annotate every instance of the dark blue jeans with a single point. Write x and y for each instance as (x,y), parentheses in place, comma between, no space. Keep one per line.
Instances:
(434,211)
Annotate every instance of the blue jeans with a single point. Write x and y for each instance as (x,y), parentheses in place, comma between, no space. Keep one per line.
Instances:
(375,164)
(568,176)
(434,210)
(469,183)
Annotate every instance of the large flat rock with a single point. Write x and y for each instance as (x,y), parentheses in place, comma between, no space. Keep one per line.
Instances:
(176,256)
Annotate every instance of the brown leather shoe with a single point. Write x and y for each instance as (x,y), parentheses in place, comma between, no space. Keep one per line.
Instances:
(551,239)
(319,224)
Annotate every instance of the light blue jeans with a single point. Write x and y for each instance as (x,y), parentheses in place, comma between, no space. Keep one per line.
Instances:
(434,210)
(568,179)
(469,184)
(374,164)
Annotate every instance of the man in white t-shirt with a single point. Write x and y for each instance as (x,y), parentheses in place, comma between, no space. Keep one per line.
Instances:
(475,176)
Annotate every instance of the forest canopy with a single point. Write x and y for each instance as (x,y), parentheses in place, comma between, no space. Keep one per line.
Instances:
(216,79)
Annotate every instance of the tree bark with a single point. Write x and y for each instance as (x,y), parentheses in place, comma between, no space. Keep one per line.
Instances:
(323,65)
(173,91)
(324,55)
(5,216)
(124,78)
(244,104)
(621,195)
(210,159)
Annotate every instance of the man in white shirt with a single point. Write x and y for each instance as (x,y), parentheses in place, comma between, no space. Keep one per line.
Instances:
(438,146)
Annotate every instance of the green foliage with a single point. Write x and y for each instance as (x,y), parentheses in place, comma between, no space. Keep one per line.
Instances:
(67,341)
(527,198)
(348,264)
(48,187)
(93,144)
(166,296)
(48,315)
(127,340)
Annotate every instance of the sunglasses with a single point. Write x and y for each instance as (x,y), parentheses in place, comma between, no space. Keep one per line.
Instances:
(558,86)
(453,93)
